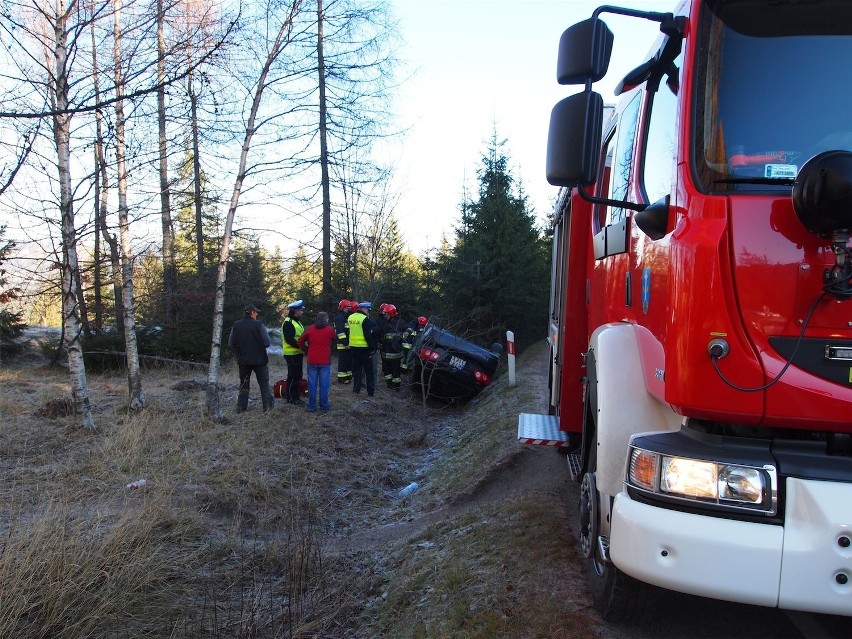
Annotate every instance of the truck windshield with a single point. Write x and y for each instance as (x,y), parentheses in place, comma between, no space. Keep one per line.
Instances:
(770,90)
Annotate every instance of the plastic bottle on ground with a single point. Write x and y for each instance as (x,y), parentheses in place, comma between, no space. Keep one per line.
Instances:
(409,489)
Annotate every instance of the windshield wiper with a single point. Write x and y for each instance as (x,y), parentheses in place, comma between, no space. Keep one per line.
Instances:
(756,180)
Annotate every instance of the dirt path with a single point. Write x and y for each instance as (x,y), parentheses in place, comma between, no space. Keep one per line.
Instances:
(522,472)
(525,504)
(530,473)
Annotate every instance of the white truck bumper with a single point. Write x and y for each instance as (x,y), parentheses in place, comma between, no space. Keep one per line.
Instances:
(804,565)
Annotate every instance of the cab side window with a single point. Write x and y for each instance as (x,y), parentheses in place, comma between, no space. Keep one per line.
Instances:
(601,211)
(623,158)
(610,222)
(661,145)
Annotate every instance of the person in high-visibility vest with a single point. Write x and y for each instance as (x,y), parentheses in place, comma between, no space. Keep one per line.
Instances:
(291,329)
(362,345)
(344,357)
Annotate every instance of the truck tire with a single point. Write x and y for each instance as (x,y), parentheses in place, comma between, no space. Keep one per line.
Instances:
(617,596)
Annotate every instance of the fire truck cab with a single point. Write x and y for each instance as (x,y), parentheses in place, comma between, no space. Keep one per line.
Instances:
(701,305)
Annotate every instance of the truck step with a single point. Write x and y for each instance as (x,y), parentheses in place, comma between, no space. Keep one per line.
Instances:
(575,465)
(541,430)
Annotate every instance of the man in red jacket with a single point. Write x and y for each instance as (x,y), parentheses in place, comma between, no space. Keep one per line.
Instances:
(317,339)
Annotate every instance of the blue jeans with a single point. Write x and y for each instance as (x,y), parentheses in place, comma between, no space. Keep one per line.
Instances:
(318,376)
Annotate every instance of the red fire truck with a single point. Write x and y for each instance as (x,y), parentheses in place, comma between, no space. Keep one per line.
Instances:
(701,315)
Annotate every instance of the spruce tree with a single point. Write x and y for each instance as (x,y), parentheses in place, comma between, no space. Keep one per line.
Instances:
(11,322)
(497,274)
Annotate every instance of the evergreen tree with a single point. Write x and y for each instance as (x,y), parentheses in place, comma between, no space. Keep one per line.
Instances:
(304,282)
(196,250)
(246,276)
(11,322)
(275,280)
(430,295)
(496,276)
(396,275)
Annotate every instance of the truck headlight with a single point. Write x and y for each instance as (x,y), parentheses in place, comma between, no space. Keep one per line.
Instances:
(713,483)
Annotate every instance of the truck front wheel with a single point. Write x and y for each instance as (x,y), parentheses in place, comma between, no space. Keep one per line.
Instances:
(617,596)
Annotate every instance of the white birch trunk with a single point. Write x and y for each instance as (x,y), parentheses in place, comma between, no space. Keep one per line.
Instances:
(214,406)
(70,270)
(136,396)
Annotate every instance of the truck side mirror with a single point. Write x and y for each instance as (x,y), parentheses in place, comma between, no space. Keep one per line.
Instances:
(574,140)
(653,221)
(584,52)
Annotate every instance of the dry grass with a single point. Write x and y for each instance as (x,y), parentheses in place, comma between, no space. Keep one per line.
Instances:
(498,561)
(281,524)
(233,533)
(67,574)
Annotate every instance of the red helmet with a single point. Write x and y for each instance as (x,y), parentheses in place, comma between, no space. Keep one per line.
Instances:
(353,306)
(342,304)
(422,321)
(390,309)
(383,307)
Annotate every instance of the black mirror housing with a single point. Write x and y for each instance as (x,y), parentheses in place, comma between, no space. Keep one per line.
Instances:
(584,52)
(574,140)
(653,220)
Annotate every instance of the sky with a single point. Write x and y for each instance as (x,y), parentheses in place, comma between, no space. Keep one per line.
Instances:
(476,66)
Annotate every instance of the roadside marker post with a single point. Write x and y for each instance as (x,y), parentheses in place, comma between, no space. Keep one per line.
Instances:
(510,350)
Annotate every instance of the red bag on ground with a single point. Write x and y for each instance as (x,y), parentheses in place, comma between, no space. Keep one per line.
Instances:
(279,388)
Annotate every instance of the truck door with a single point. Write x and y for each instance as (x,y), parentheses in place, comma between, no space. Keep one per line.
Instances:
(610,289)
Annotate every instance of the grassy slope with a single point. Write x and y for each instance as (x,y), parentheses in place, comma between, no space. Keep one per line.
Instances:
(498,561)
(282,524)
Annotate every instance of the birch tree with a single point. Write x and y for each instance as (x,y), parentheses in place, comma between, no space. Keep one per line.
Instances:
(276,45)
(136,396)
(101,200)
(52,77)
(58,90)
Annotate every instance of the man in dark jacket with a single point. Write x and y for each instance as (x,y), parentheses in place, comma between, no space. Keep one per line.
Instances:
(344,357)
(250,339)
(362,345)
(392,329)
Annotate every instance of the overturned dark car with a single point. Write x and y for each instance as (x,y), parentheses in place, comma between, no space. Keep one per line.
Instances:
(446,366)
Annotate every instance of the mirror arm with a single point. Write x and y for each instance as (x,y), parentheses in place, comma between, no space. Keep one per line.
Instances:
(622,204)
(654,16)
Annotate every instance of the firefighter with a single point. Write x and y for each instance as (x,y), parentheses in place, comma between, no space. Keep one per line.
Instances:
(291,329)
(392,328)
(408,338)
(379,326)
(344,357)
(362,345)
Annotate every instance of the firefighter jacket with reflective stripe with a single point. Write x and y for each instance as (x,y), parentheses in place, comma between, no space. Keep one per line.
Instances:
(291,329)
(340,329)
(393,329)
